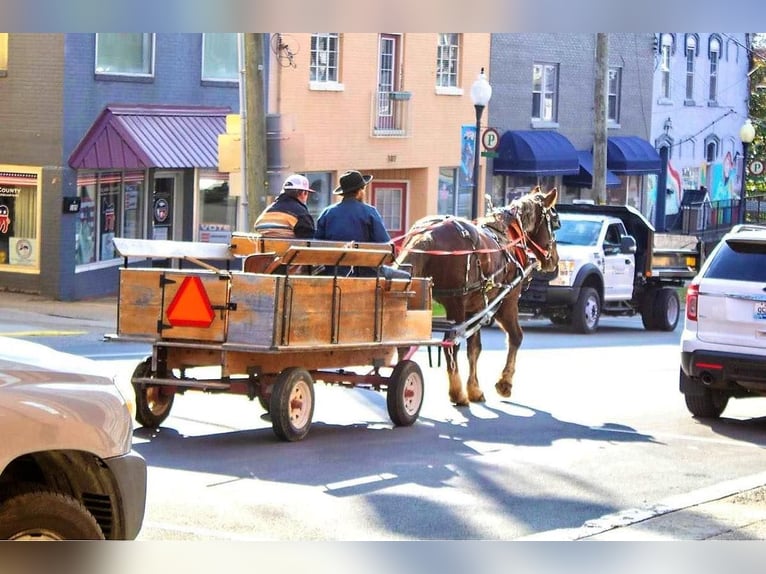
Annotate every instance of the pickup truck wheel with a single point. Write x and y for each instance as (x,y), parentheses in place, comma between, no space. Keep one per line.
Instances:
(667,309)
(647,310)
(586,311)
(292,404)
(404,395)
(153,402)
(46,515)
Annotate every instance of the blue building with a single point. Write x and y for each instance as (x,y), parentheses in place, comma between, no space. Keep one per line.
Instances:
(109,135)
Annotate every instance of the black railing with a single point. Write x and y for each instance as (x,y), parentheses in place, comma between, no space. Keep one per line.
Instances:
(710,220)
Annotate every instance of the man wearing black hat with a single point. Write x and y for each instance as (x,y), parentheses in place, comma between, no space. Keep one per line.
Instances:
(351,219)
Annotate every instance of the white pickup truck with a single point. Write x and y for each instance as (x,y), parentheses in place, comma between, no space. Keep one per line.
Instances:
(609,265)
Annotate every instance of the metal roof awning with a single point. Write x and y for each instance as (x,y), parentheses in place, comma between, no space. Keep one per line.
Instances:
(584,178)
(631,155)
(152,136)
(535,152)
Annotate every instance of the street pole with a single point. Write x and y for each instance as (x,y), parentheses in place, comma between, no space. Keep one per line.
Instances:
(747,135)
(255,128)
(601,86)
(481,92)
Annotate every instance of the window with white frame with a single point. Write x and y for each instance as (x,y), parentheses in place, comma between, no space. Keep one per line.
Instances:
(125,54)
(220,57)
(691,54)
(325,55)
(714,54)
(614,88)
(666,45)
(544,92)
(447,60)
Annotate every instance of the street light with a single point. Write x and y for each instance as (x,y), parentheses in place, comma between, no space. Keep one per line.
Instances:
(747,135)
(481,92)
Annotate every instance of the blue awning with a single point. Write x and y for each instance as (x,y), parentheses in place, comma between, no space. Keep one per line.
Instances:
(585,177)
(631,155)
(535,152)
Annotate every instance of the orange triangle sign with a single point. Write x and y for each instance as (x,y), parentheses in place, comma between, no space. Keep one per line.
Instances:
(191,305)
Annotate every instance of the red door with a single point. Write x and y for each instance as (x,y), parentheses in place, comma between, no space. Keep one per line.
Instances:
(390,199)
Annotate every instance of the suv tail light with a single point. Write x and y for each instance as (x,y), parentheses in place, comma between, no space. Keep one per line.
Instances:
(692,298)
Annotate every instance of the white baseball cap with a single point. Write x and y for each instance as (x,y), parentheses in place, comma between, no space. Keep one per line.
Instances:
(297,181)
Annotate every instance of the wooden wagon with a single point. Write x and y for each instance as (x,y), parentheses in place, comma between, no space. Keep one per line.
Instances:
(272,316)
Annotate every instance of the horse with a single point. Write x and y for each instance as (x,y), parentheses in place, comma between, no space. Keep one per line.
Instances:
(473,263)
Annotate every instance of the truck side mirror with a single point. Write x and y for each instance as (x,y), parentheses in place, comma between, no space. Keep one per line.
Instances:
(627,244)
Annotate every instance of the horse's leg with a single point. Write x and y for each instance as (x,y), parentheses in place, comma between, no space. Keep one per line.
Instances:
(475,395)
(508,318)
(455,312)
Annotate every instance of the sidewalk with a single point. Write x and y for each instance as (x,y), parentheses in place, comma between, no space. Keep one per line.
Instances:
(733,510)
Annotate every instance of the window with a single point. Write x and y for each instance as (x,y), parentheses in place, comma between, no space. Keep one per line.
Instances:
(217,208)
(19,220)
(125,54)
(3,53)
(666,46)
(389,201)
(544,87)
(613,97)
(111,205)
(691,53)
(447,60)
(712,144)
(714,55)
(320,182)
(220,57)
(452,199)
(325,52)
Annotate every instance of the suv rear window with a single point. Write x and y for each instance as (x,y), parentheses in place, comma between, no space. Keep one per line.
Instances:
(739,261)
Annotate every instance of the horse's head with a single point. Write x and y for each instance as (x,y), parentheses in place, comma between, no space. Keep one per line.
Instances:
(537,217)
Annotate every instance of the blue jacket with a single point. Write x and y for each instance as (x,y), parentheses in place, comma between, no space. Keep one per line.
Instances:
(351,220)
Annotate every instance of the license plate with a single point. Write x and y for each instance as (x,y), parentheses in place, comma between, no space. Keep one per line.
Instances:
(760,310)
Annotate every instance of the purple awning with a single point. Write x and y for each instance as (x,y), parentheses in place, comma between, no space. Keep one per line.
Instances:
(149,136)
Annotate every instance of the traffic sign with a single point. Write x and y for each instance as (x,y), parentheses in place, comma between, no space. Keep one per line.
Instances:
(191,305)
(490,139)
(755,167)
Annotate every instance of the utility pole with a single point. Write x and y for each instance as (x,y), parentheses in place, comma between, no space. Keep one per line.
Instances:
(600,110)
(256,182)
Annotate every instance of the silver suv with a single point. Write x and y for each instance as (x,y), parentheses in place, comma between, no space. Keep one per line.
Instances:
(723,345)
(67,468)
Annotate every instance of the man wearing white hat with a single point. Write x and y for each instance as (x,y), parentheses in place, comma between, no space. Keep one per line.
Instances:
(288,215)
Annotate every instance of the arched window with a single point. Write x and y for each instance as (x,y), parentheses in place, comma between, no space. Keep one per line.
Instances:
(712,148)
(714,54)
(692,51)
(667,42)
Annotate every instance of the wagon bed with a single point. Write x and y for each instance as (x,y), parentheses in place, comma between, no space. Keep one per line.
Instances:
(274,317)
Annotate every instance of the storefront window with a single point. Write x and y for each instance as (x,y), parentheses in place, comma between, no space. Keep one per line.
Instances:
(217,208)
(19,200)
(111,205)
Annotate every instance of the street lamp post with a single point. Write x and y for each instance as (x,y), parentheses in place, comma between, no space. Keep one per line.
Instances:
(481,92)
(747,135)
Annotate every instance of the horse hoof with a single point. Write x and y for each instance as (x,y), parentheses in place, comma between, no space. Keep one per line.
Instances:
(478,399)
(503,389)
(461,401)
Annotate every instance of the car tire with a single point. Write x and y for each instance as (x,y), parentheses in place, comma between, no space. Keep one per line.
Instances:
(647,309)
(586,312)
(46,515)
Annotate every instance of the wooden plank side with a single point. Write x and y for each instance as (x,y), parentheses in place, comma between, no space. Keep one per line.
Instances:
(243,244)
(256,300)
(139,304)
(337,256)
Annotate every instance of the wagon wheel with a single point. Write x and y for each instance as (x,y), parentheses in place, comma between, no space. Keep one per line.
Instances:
(292,404)
(153,402)
(404,396)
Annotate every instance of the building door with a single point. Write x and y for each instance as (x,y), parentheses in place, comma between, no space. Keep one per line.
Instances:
(388,80)
(390,199)
(166,206)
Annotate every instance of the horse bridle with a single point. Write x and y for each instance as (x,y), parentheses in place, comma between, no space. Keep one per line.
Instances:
(551,218)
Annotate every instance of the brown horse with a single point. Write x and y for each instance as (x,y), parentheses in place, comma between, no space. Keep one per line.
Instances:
(473,265)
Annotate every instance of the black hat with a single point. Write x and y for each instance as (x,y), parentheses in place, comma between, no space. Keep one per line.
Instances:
(351,181)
